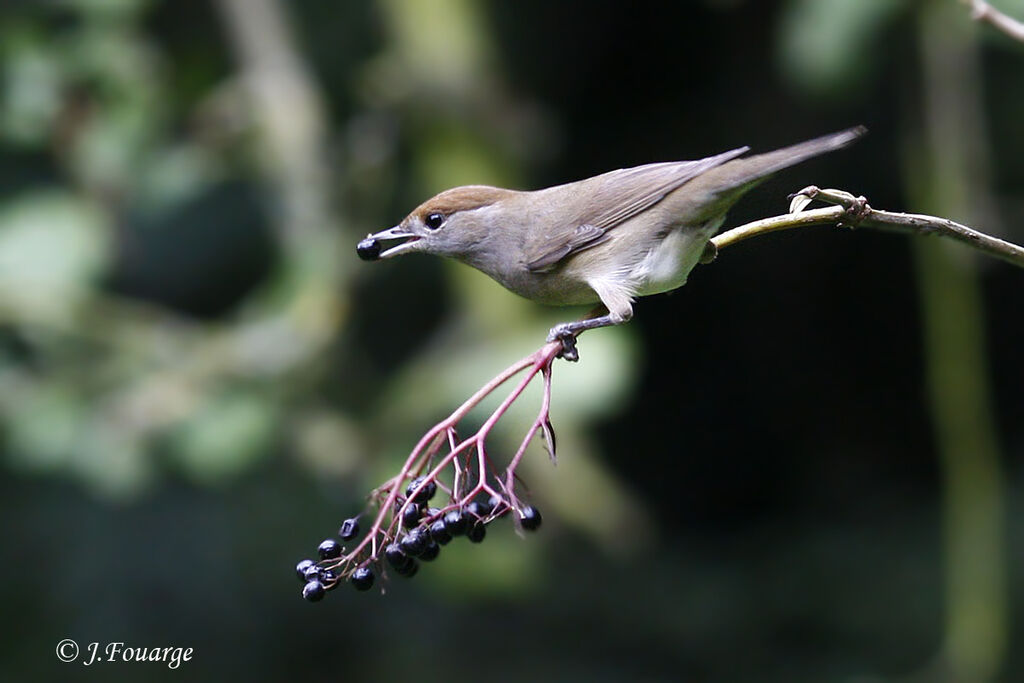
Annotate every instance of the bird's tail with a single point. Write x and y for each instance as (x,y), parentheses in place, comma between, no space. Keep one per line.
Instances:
(733,178)
(762,165)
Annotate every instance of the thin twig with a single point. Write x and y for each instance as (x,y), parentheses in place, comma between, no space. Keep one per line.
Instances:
(982,11)
(855,211)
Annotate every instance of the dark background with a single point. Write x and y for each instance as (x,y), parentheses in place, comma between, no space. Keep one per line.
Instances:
(803,466)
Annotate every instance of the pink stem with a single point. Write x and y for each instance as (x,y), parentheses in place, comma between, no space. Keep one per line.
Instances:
(480,437)
(540,359)
(542,415)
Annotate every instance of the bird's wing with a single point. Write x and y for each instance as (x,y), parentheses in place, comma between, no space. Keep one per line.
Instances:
(543,255)
(614,198)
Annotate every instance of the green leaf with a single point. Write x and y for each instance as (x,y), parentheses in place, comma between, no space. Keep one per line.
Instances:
(53,245)
(826,46)
(42,425)
(31,98)
(50,429)
(225,437)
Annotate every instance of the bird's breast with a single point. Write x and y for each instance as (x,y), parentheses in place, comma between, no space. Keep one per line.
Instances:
(668,262)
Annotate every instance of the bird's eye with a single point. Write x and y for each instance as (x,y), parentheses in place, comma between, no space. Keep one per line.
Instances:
(434,221)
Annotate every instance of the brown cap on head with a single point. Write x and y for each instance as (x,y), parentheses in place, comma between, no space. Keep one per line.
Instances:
(465,198)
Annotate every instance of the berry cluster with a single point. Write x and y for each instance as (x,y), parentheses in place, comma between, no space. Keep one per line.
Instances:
(319,577)
(406,530)
(419,533)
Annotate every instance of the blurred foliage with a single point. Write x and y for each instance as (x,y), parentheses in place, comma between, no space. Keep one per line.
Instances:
(829,46)
(198,378)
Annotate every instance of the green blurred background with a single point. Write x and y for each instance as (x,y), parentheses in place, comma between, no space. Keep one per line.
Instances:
(806,465)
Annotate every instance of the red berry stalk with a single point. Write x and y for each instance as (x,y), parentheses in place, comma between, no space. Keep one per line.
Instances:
(405,530)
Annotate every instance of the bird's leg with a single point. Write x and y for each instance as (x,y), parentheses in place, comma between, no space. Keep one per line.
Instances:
(567,332)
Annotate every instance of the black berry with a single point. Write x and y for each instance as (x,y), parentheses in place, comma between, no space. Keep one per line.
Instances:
(396,558)
(476,532)
(411,515)
(328,578)
(455,522)
(329,549)
(497,504)
(368,249)
(414,542)
(302,566)
(313,591)
(431,551)
(362,579)
(439,532)
(409,570)
(425,494)
(478,509)
(349,529)
(312,573)
(529,518)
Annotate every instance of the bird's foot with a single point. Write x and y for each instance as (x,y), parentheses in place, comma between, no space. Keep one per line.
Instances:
(565,333)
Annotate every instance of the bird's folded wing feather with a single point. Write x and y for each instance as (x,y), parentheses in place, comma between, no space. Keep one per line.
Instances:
(616,197)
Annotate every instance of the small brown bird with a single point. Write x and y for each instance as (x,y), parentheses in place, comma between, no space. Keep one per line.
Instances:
(609,239)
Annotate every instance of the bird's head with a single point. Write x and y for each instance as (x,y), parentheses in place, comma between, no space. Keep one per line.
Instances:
(455,223)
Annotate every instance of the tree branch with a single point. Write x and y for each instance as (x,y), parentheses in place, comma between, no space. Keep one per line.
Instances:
(851,211)
(982,11)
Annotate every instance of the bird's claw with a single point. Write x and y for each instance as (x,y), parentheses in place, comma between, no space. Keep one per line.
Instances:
(564,333)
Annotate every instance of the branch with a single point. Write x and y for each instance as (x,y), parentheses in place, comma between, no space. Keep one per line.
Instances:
(404,529)
(850,211)
(982,11)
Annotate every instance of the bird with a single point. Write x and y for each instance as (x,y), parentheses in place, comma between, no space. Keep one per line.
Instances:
(606,240)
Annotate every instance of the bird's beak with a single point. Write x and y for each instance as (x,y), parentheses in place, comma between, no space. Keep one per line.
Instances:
(370,248)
